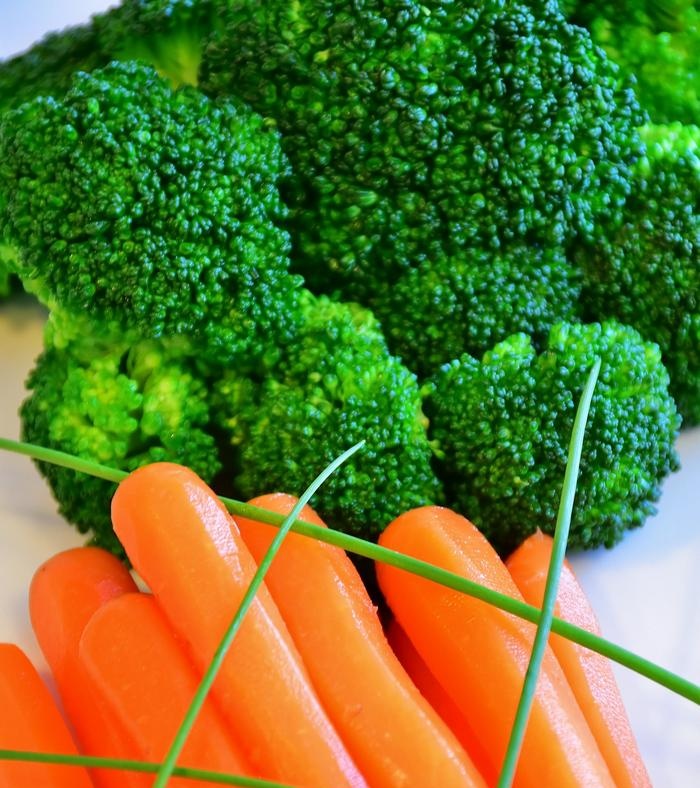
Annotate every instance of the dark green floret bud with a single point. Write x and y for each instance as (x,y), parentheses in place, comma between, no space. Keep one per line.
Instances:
(502,426)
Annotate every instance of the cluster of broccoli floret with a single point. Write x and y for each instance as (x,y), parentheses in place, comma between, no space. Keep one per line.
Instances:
(266,231)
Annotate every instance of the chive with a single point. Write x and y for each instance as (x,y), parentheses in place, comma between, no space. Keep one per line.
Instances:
(122,764)
(353,544)
(544,626)
(168,765)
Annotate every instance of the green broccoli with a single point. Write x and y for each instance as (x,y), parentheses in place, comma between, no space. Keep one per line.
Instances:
(425,131)
(645,272)
(656,41)
(153,209)
(439,310)
(334,386)
(166,34)
(121,404)
(502,426)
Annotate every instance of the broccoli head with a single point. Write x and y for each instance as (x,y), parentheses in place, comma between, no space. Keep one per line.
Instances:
(120,405)
(153,208)
(502,427)
(422,131)
(645,271)
(335,385)
(441,309)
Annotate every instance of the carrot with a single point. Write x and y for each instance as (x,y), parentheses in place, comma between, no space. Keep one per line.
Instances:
(31,721)
(64,594)
(480,654)
(440,699)
(181,539)
(135,662)
(589,674)
(389,729)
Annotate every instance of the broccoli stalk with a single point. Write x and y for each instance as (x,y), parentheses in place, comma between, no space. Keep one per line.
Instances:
(501,428)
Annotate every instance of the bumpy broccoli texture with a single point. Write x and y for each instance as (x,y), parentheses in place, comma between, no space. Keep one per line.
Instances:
(502,425)
(646,270)
(122,405)
(151,208)
(335,385)
(424,131)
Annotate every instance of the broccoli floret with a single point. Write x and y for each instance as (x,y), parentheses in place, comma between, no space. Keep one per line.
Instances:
(335,385)
(121,405)
(502,427)
(438,311)
(166,34)
(153,208)
(657,43)
(646,272)
(423,131)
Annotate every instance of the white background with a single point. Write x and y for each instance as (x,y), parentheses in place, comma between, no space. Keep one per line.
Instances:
(646,591)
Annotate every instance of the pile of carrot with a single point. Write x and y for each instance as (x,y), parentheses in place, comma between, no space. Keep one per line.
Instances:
(313,692)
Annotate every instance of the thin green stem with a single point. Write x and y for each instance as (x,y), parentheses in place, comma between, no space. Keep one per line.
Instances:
(168,765)
(544,626)
(375,552)
(122,764)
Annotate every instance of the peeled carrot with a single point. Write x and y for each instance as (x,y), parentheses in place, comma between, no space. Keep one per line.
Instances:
(64,594)
(30,721)
(181,540)
(440,700)
(393,734)
(480,654)
(589,674)
(135,662)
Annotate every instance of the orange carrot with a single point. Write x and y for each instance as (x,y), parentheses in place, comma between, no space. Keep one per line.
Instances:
(480,654)
(589,674)
(440,700)
(30,720)
(181,540)
(135,662)
(64,594)
(393,734)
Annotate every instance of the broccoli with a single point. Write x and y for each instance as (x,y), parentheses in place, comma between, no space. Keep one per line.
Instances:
(501,427)
(657,42)
(334,386)
(425,131)
(645,272)
(121,404)
(153,209)
(439,310)
(166,34)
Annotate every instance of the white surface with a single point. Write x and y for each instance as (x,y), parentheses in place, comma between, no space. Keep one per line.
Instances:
(645,591)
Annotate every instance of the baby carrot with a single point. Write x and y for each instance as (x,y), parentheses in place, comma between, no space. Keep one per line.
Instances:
(589,674)
(480,654)
(393,734)
(439,699)
(182,541)
(64,594)
(31,721)
(137,665)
